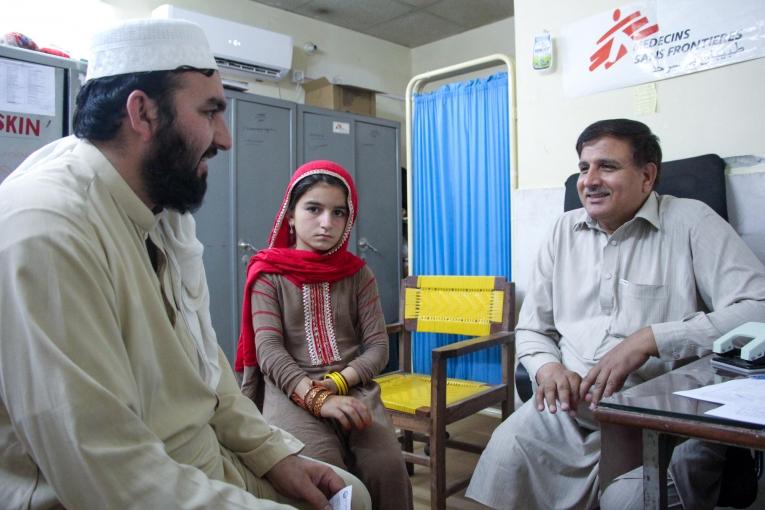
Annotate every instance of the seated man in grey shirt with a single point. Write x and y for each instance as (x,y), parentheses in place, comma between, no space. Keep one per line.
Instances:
(620,290)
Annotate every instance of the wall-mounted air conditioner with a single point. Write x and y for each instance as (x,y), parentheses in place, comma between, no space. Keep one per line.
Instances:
(241,50)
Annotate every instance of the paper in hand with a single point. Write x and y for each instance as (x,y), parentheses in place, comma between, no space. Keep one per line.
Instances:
(342,500)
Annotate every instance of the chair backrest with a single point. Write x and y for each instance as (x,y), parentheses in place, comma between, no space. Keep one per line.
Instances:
(700,177)
(464,305)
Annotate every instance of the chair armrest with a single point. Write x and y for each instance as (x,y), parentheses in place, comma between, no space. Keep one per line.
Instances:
(394,327)
(473,344)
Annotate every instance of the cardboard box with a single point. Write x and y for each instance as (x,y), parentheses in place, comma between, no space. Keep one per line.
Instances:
(342,98)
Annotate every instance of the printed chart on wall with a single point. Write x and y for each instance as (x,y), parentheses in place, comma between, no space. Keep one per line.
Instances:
(658,39)
(27,110)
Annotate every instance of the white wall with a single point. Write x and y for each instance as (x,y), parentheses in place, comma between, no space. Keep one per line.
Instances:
(498,37)
(57,24)
(344,56)
(720,110)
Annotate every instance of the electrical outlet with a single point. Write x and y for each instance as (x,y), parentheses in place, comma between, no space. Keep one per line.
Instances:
(298,76)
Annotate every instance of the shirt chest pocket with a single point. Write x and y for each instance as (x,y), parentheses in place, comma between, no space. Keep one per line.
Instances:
(639,305)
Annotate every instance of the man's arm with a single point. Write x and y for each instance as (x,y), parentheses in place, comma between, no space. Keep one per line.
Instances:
(68,386)
(305,480)
(609,374)
(730,280)
(537,338)
(241,428)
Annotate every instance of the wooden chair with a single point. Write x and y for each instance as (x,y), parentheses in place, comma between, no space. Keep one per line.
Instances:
(421,406)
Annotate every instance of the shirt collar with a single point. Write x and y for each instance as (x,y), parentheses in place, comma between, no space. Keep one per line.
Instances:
(116,185)
(649,212)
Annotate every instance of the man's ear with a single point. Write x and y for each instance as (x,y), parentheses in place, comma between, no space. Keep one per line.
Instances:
(649,176)
(143,114)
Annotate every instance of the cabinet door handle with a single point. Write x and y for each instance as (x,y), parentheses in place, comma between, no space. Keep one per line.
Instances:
(364,245)
(244,245)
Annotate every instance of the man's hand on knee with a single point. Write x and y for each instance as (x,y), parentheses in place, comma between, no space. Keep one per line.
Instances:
(557,384)
(305,480)
(609,374)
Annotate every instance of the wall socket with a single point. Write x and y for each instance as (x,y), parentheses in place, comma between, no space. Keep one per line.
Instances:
(298,76)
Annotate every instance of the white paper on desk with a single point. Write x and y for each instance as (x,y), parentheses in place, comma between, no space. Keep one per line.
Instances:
(740,412)
(342,500)
(750,392)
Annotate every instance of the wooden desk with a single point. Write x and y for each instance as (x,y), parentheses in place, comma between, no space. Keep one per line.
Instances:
(643,424)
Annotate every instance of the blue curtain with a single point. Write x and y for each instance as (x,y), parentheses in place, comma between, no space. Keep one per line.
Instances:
(461,195)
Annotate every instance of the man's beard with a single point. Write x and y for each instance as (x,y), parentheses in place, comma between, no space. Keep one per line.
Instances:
(169,172)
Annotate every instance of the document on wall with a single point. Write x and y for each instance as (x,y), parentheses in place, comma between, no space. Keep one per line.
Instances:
(342,500)
(27,88)
(741,399)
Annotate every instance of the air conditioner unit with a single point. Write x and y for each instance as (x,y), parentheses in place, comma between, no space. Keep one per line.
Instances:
(240,50)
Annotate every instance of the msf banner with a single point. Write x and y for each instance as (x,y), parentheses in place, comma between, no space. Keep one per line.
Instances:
(654,40)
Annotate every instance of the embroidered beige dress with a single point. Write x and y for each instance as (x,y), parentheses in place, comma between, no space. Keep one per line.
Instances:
(315,329)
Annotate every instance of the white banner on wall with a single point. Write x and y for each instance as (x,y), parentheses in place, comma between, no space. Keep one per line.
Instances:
(658,39)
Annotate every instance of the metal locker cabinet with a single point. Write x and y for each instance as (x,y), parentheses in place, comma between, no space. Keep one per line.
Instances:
(378,230)
(245,186)
(216,230)
(368,148)
(22,133)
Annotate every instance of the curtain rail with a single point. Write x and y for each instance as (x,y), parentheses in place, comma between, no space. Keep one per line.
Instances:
(417,83)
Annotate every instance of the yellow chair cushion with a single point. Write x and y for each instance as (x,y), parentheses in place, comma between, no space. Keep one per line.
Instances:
(408,392)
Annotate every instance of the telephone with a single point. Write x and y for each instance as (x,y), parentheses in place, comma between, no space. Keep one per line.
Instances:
(742,349)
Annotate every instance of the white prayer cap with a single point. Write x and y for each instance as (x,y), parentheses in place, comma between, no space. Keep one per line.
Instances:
(142,45)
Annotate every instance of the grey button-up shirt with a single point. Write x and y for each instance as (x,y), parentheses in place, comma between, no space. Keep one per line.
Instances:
(676,266)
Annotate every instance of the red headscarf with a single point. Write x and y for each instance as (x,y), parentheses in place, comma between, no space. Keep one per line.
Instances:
(297,266)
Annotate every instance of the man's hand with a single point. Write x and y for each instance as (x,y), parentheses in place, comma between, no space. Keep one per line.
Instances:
(351,412)
(556,383)
(305,480)
(609,374)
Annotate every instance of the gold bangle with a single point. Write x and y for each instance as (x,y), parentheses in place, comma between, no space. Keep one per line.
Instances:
(310,397)
(319,402)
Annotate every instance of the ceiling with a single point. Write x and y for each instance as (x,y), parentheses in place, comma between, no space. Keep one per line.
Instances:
(410,23)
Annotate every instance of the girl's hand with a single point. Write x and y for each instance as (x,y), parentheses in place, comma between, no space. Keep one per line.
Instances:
(351,412)
(329,384)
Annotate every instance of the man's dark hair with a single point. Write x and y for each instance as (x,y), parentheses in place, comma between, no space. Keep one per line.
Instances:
(645,145)
(100,104)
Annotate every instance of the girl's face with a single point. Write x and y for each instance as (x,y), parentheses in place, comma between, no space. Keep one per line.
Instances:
(319,218)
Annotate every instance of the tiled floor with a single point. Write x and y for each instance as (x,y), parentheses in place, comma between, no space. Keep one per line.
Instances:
(476,429)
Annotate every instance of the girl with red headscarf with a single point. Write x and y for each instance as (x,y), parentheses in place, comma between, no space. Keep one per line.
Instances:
(313,336)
